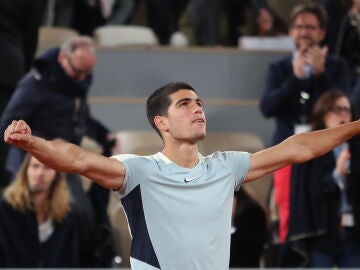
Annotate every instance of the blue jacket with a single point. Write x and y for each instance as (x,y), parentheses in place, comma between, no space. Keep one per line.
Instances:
(54,105)
(281,98)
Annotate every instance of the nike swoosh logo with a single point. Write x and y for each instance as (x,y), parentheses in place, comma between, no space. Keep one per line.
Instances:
(190,179)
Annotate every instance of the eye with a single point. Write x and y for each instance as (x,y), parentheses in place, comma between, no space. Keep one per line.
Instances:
(34,166)
(183,104)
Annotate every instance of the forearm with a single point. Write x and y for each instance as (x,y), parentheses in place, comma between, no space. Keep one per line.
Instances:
(300,148)
(70,158)
(57,154)
(66,157)
(310,145)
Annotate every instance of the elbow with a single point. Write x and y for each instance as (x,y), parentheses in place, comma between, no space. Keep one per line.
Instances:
(74,159)
(304,157)
(299,153)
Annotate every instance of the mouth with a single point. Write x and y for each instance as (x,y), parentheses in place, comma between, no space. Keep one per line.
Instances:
(306,41)
(199,120)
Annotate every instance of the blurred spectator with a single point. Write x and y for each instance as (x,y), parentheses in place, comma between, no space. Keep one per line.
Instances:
(205,16)
(348,44)
(264,22)
(39,226)
(250,231)
(90,14)
(86,15)
(325,195)
(19,23)
(294,83)
(164,16)
(337,10)
(55,93)
(282,8)
(53,98)
(356,96)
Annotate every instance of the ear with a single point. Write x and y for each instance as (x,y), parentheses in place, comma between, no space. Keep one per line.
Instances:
(60,57)
(161,123)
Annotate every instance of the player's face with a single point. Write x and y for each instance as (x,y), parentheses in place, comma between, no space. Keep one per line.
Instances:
(339,114)
(40,177)
(306,31)
(186,118)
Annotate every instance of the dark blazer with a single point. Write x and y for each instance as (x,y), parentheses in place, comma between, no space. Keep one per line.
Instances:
(251,232)
(348,44)
(68,246)
(315,203)
(19,22)
(282,92)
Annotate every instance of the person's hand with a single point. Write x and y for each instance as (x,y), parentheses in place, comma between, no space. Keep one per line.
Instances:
(18,133)
(316,57)
(298,65)
(342,162)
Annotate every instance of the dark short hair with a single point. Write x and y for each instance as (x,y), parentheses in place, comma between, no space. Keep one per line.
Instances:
(159,101)
(323,105)
(314,8)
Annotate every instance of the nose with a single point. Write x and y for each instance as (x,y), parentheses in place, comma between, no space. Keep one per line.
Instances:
(41,170)
(39,173)
(345,116)
(198,108)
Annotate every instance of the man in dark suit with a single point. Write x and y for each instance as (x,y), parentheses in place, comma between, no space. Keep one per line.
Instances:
(19,23)
(295,82)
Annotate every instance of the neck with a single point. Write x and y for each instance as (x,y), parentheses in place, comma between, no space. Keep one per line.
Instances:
(41,206)
(185,155)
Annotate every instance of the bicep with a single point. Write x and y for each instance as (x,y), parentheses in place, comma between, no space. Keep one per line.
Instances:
(268,160)
(107,172)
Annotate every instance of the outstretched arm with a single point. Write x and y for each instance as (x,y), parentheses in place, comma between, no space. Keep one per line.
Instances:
(66,157)
(300,148)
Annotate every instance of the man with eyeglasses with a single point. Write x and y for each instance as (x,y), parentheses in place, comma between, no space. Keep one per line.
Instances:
(294,83)
(53,98)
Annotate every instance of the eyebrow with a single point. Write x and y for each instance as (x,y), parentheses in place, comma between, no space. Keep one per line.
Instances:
(189,99)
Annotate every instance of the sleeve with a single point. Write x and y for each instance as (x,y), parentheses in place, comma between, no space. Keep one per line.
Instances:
(281,86)
(336,76)
(338,179)
(24,103)
(97,131)
(239,164)
(137,169)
